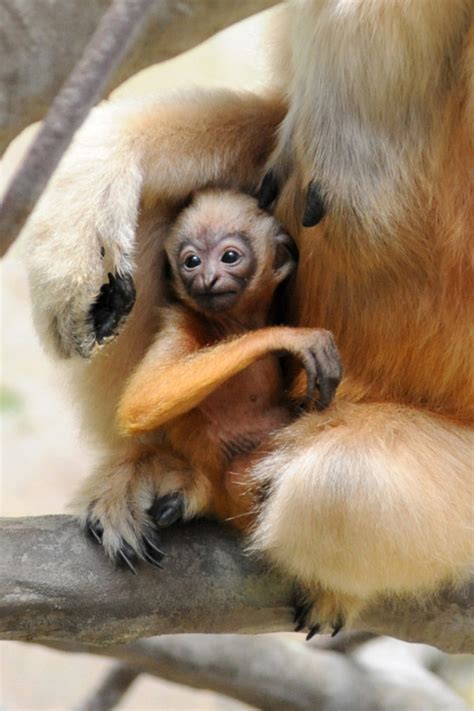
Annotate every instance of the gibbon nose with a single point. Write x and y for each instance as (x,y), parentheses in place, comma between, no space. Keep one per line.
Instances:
(209,280)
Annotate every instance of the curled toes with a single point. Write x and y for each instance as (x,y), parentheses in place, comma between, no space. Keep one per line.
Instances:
(324,614)
(124,555)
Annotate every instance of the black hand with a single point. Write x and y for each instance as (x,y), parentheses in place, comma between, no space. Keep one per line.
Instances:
(314,209)
(112,306)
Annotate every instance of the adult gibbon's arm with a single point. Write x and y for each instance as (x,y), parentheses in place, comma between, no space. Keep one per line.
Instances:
(130,155)
(159,391)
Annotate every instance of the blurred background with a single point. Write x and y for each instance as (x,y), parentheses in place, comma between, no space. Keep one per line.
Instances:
(43,456)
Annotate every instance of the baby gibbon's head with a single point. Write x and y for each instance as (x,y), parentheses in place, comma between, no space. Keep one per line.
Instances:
(226,254)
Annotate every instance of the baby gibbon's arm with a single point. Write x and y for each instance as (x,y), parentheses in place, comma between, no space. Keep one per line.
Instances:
(160,390)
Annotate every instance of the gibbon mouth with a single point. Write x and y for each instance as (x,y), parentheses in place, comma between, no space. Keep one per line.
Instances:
(216,300)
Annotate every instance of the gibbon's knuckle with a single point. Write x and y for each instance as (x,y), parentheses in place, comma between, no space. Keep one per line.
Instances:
(268,190)
(308,363)
(327,389)
(330,358)
(168,509)
(314,208)
(331,364)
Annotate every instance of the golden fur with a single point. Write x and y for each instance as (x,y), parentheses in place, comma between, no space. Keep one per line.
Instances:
(376,495)
(218,423)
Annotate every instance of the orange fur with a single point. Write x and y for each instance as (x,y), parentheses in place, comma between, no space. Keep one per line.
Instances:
(219,423)
(373,497)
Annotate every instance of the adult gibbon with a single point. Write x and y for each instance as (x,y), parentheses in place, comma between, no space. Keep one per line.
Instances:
(373,495)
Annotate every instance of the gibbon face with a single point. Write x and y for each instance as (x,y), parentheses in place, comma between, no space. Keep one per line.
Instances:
(226,255)
(214,269)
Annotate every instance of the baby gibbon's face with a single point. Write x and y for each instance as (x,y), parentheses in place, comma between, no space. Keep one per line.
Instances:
(215,268)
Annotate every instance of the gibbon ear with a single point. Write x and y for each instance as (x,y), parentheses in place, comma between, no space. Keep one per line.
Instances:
(286,255)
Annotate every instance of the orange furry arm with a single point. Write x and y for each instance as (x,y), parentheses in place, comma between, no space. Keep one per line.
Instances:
(159,391)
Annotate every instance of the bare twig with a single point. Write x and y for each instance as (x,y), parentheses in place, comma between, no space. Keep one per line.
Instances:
(54,584)
(85,86)
(279,673)
(111,689)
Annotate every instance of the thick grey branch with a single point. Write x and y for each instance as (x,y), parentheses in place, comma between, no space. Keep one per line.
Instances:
(57,585)
(69,591)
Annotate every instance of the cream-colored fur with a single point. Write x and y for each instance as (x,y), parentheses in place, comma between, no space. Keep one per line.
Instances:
(376,495)
(368,506)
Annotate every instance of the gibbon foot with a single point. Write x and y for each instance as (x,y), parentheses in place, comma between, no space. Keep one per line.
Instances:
(167,510)
(112,306)
(327,612)
(124,555)
(314,209)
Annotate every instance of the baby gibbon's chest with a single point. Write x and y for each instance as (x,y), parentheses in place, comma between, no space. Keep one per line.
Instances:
(235,419)
(250,405)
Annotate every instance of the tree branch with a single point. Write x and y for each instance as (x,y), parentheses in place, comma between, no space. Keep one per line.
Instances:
(113,686)
(57,585)
(40,42)
(116,31)
(279,673)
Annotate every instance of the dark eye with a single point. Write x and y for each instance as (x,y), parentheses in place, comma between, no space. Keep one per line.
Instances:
(192,261)
(230,256)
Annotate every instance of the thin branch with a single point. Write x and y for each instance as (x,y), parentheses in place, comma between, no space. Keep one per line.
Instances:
(55,584)
(111,689)
(278,673)
(186,22)
(40,42)
(117,29)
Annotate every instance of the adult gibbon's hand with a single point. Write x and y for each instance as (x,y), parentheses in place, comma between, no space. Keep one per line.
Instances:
(81,237)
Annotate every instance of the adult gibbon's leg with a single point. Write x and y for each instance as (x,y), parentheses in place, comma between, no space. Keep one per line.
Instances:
(129,155)
(367,499)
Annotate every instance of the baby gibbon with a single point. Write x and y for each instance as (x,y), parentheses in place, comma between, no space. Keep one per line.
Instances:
(212,380)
